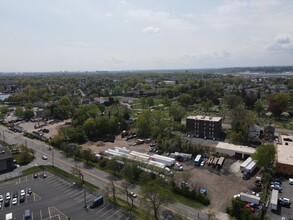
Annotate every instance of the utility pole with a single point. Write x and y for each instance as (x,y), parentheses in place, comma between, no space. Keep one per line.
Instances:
(53,157)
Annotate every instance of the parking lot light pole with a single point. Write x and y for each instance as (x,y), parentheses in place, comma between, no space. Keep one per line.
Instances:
(53,157)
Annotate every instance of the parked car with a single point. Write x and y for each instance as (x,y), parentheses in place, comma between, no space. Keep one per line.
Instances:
(15,195)
(22,199)
(291,181)
(1,198)
(132,194)
(276,187)
(8,196)
(44,157)
(284,202)
(7,203)
(22,192)
(36,175)
(14,201)
(29,191)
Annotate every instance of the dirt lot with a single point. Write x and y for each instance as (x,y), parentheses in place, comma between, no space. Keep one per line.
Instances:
(221,184)
(100,146)
(53,128)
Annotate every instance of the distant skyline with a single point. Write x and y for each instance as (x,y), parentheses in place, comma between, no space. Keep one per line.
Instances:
(91,35)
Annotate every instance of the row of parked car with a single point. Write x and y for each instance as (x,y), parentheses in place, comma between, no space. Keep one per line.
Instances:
(13,197)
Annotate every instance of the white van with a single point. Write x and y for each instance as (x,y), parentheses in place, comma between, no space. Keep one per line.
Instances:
(9,216)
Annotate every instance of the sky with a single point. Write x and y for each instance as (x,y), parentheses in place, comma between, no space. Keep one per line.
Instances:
(97,35)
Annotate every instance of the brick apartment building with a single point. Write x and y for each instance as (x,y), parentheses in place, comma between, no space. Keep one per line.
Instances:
(204,126)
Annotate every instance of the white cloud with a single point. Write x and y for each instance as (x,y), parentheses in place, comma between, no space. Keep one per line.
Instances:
(109,14)
(282,43)
(162,18)
(222,54)
(151,30)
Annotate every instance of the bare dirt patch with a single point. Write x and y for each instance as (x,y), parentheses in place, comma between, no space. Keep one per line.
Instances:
(221,185)
(53,128)
(100,146)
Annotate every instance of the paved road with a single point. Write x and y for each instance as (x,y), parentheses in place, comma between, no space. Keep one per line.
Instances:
(94,176)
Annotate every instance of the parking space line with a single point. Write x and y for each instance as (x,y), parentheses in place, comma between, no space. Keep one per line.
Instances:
(41,215)
(74,194)
(113,214)
(101,209)
(107,212)
(32,216)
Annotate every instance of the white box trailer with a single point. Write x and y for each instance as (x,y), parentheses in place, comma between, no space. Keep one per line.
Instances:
(141,156)
(250,167)
(245,163)
(274,200)
(122,149)
(249,198)
(168,161)
(113,153)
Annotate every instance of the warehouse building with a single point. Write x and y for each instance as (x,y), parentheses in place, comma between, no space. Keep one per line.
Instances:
(6,160)
(284,158)
(237,151)
(204,126)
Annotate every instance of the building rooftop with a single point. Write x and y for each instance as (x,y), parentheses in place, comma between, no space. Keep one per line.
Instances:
(285,150)
(236,148)
(204,118)
(5,153)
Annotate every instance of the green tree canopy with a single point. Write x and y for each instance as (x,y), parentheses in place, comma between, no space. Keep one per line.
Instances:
(265,156)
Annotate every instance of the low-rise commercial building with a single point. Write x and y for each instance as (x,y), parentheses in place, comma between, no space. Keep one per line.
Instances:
(284,158)
(236,151)
(6,160)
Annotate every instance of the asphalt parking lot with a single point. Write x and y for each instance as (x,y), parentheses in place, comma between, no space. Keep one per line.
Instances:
(54,198)
(286,212)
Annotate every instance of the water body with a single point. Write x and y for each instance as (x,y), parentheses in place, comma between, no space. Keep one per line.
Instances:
(4,96)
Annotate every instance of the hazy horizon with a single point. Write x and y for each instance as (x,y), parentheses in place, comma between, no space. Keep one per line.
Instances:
(125,35)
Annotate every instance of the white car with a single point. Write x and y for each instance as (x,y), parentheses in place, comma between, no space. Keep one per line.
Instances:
(14,201)
(44,157)
(132,194)
(8,196)
(1,198)
(22,192)
(291,181)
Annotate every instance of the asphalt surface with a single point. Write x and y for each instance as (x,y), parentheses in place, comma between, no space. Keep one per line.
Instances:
(54,198)
(94,176)
(287,212)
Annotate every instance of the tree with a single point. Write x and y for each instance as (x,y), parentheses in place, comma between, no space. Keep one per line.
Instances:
(19,112)
(207,105)
(265,156)
(185,99)
(177,112)
(233,101)
(28,114)
(278,103)
(259,106)
(87,154)
(241,122)
(4,109)
(155,196)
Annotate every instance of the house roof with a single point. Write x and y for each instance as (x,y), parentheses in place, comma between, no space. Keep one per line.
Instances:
(236,148)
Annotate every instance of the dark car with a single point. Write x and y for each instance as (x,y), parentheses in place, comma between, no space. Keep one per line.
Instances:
(29,191)
(97,202)
(36,175)
(15,195)
(21,199)
(7,203)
